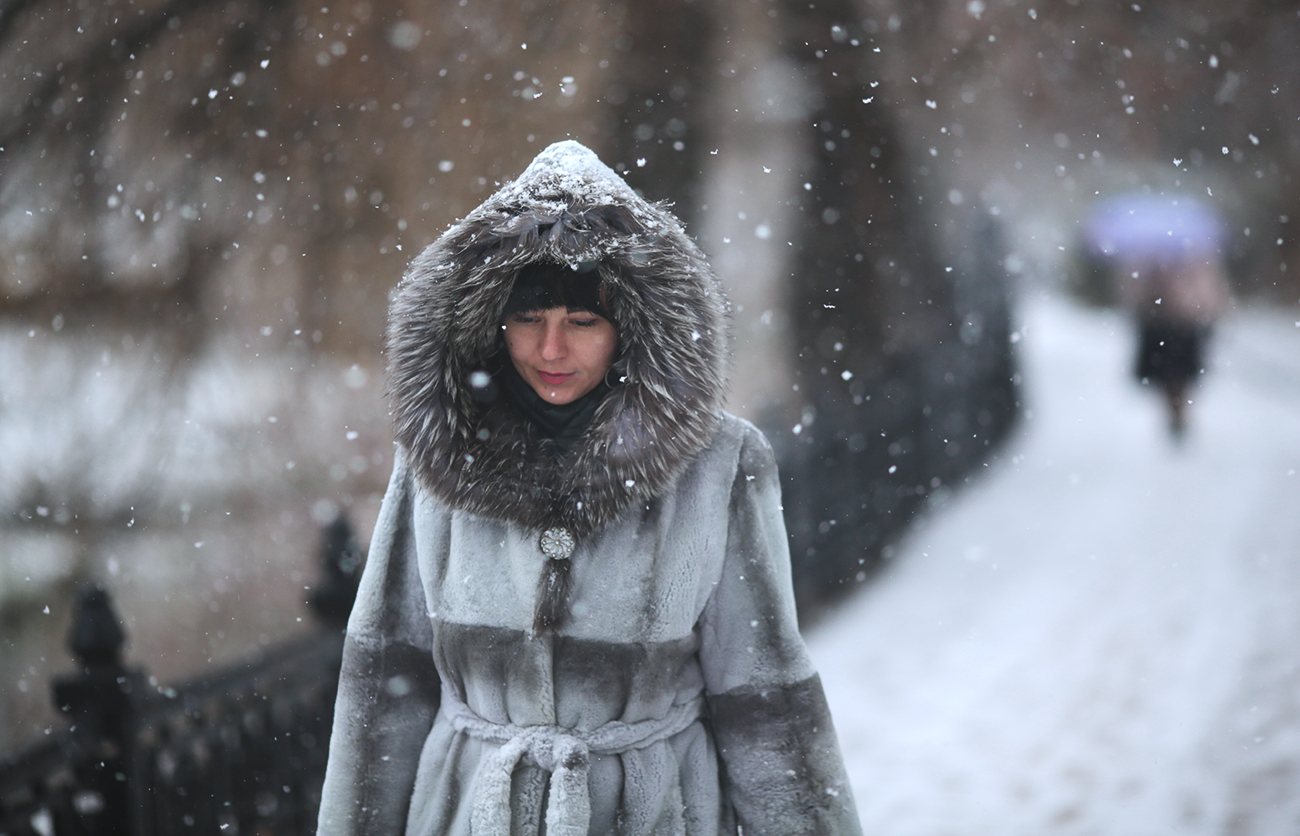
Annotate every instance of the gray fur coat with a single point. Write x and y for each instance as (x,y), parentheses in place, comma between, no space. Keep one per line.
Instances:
(648,676)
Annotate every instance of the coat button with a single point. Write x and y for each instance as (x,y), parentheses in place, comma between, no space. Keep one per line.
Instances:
(557,543)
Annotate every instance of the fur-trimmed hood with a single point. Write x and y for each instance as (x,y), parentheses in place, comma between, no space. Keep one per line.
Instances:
(475,452)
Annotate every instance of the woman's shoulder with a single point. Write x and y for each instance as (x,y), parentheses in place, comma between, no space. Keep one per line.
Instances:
(740,430)
(404,485)
(739,441)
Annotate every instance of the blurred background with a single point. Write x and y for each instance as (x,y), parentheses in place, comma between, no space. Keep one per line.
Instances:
(205,204)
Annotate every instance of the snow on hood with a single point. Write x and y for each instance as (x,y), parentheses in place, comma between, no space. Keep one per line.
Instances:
(476,453)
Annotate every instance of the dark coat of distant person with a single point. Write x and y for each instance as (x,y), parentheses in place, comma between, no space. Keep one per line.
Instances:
(1175,298)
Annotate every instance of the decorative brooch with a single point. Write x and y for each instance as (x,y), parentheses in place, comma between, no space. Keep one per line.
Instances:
(557,543)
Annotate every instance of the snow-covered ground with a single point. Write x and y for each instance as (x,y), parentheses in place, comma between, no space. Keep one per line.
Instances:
(1102,634)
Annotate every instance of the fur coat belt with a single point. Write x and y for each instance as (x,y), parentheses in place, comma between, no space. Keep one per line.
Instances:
(563,752)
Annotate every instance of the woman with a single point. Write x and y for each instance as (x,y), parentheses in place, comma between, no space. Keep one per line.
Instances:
(576,614)
(1176,299)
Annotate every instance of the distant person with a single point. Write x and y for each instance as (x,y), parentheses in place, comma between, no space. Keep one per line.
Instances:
(1163,255)
(576,615)
(1175,301)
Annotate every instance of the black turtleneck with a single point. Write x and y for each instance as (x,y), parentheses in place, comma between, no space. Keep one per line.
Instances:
(563,424)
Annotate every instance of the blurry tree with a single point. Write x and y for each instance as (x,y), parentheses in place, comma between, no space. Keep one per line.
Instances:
(905,378)
(954,144)
(663,101)
(203,205)
(1042,110)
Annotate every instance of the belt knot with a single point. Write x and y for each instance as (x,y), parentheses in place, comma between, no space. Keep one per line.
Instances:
(563,752)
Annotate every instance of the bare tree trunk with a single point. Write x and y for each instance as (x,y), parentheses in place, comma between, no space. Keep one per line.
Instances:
(882,369)
(661,99)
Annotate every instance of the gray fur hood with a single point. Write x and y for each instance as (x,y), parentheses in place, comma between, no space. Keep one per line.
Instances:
(472,450)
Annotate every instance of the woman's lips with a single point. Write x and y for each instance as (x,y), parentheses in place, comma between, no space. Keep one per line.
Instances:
(554,378)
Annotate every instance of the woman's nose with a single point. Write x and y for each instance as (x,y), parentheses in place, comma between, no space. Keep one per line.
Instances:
(554,345)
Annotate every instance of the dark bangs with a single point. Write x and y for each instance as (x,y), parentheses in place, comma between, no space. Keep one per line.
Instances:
(543,285)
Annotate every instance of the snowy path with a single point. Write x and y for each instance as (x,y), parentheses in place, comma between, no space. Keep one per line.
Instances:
(1101,635)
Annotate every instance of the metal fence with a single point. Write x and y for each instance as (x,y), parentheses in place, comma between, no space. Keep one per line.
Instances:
(238,751)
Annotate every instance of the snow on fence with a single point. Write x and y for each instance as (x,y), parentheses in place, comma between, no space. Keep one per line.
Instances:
(237,751)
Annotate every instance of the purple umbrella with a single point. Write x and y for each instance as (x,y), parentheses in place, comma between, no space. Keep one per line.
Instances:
(1138,226)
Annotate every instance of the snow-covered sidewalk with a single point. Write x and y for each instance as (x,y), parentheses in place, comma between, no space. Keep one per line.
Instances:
(1102,634)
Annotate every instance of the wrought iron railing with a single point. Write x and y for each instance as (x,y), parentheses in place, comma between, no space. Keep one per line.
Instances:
(237,752)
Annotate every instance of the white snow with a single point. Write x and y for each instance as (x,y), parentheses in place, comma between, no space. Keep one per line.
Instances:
(569,166)
(1101,635)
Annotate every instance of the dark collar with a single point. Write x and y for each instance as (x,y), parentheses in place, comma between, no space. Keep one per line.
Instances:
(563,424)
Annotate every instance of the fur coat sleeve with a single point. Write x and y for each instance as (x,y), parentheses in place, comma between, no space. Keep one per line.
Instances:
(388,689)
(781,767)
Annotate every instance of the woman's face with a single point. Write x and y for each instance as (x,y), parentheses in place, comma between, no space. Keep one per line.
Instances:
(562,353)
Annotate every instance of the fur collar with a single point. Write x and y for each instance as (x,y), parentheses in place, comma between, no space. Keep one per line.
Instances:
(444,327)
